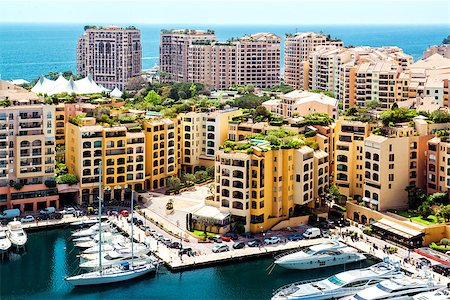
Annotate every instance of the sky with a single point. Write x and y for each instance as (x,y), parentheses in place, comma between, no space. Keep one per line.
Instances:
(226,11)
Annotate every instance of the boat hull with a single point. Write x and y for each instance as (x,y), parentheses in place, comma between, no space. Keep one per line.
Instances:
(317,263)
(97,279)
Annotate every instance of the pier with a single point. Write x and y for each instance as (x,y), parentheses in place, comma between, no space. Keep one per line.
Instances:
(53,223)
(206,257)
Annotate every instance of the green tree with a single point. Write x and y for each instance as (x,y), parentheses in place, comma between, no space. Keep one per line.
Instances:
(174,183)
(373,104)
(416,196)
(189,178)
(425,210)
(261,114)
(210,171)
(200,175)
(193,90)
(438,198)
(334,195)
(153,98)
(67,179)
(445,212)
(352,111)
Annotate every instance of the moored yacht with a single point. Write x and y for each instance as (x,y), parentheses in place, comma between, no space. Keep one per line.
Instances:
(16,235)
(5,243)
(397,287)
(91,231)
(440,294)
(339,285)
(112,257)
(320,256)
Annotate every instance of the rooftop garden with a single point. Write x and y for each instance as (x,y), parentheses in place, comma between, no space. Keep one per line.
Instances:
(277,139)
(322,119)
(326,93)
(281,88)
(443,134)
(397,115)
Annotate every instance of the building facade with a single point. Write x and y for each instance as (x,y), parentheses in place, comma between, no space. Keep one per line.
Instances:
(111,55)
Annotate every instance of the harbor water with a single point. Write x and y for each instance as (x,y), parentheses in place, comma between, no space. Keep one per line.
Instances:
(38,273)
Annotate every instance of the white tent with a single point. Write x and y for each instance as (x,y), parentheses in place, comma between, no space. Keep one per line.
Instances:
(116,93)
(62,85)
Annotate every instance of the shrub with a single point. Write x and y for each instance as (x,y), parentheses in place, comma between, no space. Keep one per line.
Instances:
(50,183)
(67,179)
(16,185)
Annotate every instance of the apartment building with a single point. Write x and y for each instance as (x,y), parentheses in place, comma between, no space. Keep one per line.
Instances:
(262,188)
(27,151)
(297,50)
(302,103)
(173,53)
(443,50)
(377,81)
(349,156)
(438,163)
(198,57)
(392,163)
(111,55)
(121,155)
(162,151)
(202,133)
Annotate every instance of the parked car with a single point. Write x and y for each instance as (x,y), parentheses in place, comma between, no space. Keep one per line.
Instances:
(175,245)
(238,245)
(254,243)
(159,236)
(295,237)
(56,215)
(311,233)
(27,219)
(68,211)
(167,241)
(113,212)
(187,251)
(232,235)
(272,240)
(226,238)
(220,248)
(422,261)
(217,239)
(124,213)
(48,210)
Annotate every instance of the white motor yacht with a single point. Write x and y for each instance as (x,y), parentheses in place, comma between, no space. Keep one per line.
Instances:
(93,230)
(339,285)
(440,294)
(106,247)
(86,222)
(320,256)
(5,243)
(397,287)
(113,257)
(15,233)
(109,238)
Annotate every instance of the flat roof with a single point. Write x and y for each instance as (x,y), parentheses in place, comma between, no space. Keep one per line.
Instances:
(397,229)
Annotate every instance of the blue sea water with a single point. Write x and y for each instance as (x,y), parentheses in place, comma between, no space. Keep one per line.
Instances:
(29,50)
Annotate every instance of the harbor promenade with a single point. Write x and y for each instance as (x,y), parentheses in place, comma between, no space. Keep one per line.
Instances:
(204,256)
(53,223)
(403,256)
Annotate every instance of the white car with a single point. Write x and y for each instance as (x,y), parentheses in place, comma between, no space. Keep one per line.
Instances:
(68,211)
(27,219)
(272,240)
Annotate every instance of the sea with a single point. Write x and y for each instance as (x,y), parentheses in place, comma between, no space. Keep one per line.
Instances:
(30,50)
(39,271)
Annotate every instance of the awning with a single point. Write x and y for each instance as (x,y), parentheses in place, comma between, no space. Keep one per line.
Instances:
(397,229)
(366,199)
(212,212)
(374,202)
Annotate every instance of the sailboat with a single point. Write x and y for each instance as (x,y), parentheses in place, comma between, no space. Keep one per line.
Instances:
(123,271)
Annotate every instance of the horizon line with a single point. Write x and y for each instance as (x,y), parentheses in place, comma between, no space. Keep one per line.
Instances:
(228,24)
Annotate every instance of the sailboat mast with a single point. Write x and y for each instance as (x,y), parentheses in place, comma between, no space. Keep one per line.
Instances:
(132,232)
(100,191)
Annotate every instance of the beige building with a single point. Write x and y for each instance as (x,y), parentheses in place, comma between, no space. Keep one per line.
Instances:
(173,52)
(297,50)
(27,151)
(443,50)
(111,55)
(195,56)
(302,103)
(201,134)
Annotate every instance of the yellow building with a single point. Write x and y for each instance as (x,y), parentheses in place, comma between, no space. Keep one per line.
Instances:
(120,152)
(260,186)
(162,151)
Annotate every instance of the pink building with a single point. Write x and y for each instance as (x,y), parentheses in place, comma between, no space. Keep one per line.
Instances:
(112,55)
(252,59)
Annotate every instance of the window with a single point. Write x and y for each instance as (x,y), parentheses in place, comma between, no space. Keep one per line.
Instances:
(391,177)
(391,157)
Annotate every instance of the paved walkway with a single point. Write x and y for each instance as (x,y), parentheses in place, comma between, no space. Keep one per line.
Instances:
(366,245)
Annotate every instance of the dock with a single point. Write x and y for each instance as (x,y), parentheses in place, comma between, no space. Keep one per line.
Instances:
(176,263)
(54,223)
